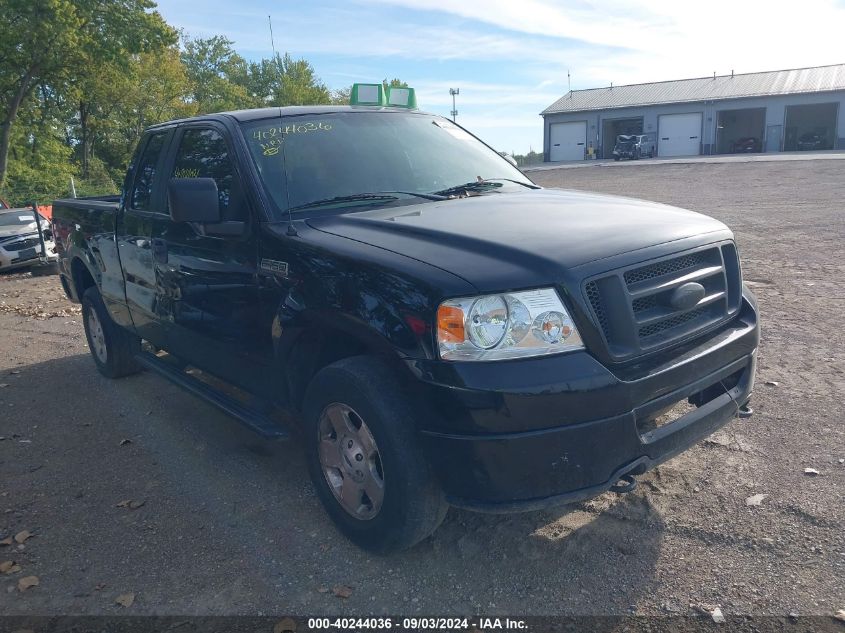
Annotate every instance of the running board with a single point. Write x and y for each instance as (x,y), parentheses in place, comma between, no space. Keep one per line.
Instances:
(252,419)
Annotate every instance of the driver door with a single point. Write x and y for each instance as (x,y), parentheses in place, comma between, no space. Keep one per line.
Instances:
(206,285)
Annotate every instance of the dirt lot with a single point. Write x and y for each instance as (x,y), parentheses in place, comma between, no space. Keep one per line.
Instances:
(229,524)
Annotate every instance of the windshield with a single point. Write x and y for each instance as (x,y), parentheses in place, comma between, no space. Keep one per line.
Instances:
(342,154)
(17,218)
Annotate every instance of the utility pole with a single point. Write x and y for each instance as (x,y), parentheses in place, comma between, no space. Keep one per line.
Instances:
(454,92)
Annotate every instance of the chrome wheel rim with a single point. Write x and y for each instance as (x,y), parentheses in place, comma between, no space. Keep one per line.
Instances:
(351,461)
(98,338)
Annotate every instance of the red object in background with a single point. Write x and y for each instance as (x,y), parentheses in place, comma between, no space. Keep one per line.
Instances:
(46,210)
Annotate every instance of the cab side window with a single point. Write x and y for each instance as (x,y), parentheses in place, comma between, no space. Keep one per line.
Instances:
(203,153)
(145,172)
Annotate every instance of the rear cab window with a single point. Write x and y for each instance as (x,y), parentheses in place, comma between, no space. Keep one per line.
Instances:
(141,196)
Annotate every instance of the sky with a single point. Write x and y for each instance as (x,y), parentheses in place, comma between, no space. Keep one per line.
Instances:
(510,59)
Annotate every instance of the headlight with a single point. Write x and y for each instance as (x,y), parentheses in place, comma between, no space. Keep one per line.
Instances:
(508,325)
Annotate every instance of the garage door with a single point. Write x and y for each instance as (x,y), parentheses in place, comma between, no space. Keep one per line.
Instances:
(679,134)
(567,140)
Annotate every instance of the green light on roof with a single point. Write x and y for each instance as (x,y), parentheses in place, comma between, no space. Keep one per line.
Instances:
(367,94)
(401,97)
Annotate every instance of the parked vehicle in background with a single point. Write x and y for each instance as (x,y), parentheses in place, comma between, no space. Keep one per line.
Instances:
(748,144)
(634,146)
(444,331)
(20,245)
(812,141)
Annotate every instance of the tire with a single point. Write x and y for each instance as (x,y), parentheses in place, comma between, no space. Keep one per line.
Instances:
(615,158)
(361,394)
(112,348)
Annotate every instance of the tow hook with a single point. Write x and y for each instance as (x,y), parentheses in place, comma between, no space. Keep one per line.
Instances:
(626,483)
(745,411)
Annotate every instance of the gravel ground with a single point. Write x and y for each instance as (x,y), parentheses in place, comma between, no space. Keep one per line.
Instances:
(225,523)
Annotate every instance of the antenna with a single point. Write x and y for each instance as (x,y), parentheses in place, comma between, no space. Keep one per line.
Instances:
(291,230)
(569,83)
(454,92)
(272,41)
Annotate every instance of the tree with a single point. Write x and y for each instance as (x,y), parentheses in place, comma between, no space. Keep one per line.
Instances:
(298,84)
(55,42)
(341,96)
(394,83)
(153,88)
(218,75)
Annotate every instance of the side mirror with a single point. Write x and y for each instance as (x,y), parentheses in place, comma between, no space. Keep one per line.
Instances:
(193,200)
(511,160)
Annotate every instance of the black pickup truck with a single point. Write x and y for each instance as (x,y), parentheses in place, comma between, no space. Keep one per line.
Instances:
(444,331)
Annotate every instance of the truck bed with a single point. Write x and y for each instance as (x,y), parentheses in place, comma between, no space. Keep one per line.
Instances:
(108,203)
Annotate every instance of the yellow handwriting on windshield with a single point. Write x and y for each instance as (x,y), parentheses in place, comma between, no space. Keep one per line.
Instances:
(270,139)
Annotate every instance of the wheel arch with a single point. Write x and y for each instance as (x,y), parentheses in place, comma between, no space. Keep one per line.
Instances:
(81,277)
(321,339)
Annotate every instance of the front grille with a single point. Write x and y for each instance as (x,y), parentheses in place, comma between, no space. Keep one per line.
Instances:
(675,321)
(663,268)
(20,245)
(595,300)
(635,310)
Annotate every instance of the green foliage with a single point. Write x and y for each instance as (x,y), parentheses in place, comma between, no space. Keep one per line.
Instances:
(531,158)
(217,75)
(80,80)
(295,83)
(341,96)
(394,83)
(124,102)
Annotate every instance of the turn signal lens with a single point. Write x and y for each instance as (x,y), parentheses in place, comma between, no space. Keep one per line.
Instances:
(450,324)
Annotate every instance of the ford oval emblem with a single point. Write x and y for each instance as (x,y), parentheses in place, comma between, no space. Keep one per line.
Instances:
(687,296)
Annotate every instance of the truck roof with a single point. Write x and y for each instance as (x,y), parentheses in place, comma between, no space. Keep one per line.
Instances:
(274,112)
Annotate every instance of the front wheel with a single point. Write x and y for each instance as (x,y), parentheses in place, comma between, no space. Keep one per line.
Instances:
(365,458)
(112,347)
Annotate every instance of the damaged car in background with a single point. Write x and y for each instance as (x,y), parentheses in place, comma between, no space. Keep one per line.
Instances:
(22,241)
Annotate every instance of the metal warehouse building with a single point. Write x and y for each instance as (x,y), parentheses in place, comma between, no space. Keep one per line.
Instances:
(783,110)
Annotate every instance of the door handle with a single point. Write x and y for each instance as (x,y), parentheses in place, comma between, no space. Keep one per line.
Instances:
(159,248)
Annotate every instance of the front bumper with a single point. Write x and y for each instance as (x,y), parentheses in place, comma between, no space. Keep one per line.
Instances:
(514,436)
(10,260)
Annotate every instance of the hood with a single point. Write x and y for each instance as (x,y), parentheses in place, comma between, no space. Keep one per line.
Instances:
(16,231)
(20,230)
(512,240)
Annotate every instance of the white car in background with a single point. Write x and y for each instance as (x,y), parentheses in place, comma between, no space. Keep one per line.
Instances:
(19,242)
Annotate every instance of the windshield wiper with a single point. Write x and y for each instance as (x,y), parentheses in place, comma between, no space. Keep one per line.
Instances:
(529,185)
(375,197)
(427,196)
(381,196)
(480,185)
